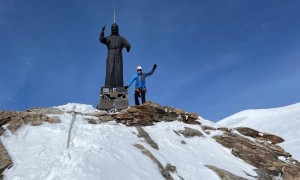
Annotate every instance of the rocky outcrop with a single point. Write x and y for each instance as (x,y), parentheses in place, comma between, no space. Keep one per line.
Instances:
(259,135)
(14,120)
(190,132)
(149,113)
(147,138)
(224,175)
(5,160)
(34,117)
(262,155)
(165,173)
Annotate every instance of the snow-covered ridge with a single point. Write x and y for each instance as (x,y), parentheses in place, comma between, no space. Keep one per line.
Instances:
(282,121)
(113,148)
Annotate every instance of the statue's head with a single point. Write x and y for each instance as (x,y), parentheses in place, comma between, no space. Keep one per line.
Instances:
(114,29)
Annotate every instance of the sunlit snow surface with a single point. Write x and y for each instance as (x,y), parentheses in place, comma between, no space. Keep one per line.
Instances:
(105,151)
(283,121)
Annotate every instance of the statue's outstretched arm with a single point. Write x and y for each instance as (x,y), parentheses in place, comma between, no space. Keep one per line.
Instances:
(126,44)
(101,37)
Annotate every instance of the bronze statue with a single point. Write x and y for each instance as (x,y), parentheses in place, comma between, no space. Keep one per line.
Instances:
(114,61)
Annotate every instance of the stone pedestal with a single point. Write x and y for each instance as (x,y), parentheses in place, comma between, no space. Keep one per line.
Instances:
(113,98)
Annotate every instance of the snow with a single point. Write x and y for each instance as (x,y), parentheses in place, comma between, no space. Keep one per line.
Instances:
(106,151)
(282,121)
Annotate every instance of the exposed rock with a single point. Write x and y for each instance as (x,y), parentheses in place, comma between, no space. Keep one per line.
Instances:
(15,123)
(224,129)
(270,137)
(36,122)
(262,174)
(123,115)
(190,132)
(43,110)
(5,160)
(176,132)
(141,119)
(93,121)
(34,116)
(149,113)
(147,138)
(259,135)
(165,173)
(248,131)
(183,142)
(262,155)
(5,116)
(106,118)
(224,175)
(1,130)
(54,119)
(171,168)
(207,128)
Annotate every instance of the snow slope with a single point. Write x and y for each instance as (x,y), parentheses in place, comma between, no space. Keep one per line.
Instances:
(106,151)
(282,121)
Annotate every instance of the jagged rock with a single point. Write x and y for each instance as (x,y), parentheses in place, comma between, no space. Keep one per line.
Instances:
(93,121)
(224,129)
(54,119)
(247,131)
(190,118)
(147,138)
(15,123)
(262,155)
(36,122)
(5,116)
(142,119)
(34,116)
(176,132)
(1,130)
(170,168)
(165,173)
(41,110)
(106,118)
(5,160)
(207,128)
(224,175)
(190,132)
(149,112)
(123,116)
(259,135)
(270,137)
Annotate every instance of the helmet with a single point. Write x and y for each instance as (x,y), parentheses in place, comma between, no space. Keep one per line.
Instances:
(139,68)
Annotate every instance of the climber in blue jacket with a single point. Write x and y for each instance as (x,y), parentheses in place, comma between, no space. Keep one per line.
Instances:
(140,84)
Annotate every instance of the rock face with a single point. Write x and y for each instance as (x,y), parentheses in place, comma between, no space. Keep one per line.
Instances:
(149,113)
(34,117)
(14,120)
(224,175)
(190,132)
(259,135)
(164,171)
(147,138)
(262,155)
(5,160)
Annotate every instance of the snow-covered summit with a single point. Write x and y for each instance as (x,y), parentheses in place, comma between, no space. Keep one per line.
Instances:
(282,121)
(150,141)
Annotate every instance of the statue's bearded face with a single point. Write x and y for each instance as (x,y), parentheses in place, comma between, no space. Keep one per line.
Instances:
(114,29)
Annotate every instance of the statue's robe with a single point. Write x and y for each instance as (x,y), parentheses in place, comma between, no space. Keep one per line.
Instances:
(114,60)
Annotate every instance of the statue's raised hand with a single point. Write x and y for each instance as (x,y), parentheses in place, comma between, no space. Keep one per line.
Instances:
(103,28)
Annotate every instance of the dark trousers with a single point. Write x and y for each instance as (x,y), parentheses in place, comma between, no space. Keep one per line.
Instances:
(137,94)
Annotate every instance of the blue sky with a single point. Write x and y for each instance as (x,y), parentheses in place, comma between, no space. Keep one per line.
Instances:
(214,57)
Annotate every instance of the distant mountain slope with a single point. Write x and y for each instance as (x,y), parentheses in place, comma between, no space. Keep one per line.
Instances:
(282,121)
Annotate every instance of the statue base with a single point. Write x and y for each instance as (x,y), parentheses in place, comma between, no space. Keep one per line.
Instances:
(113,99)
